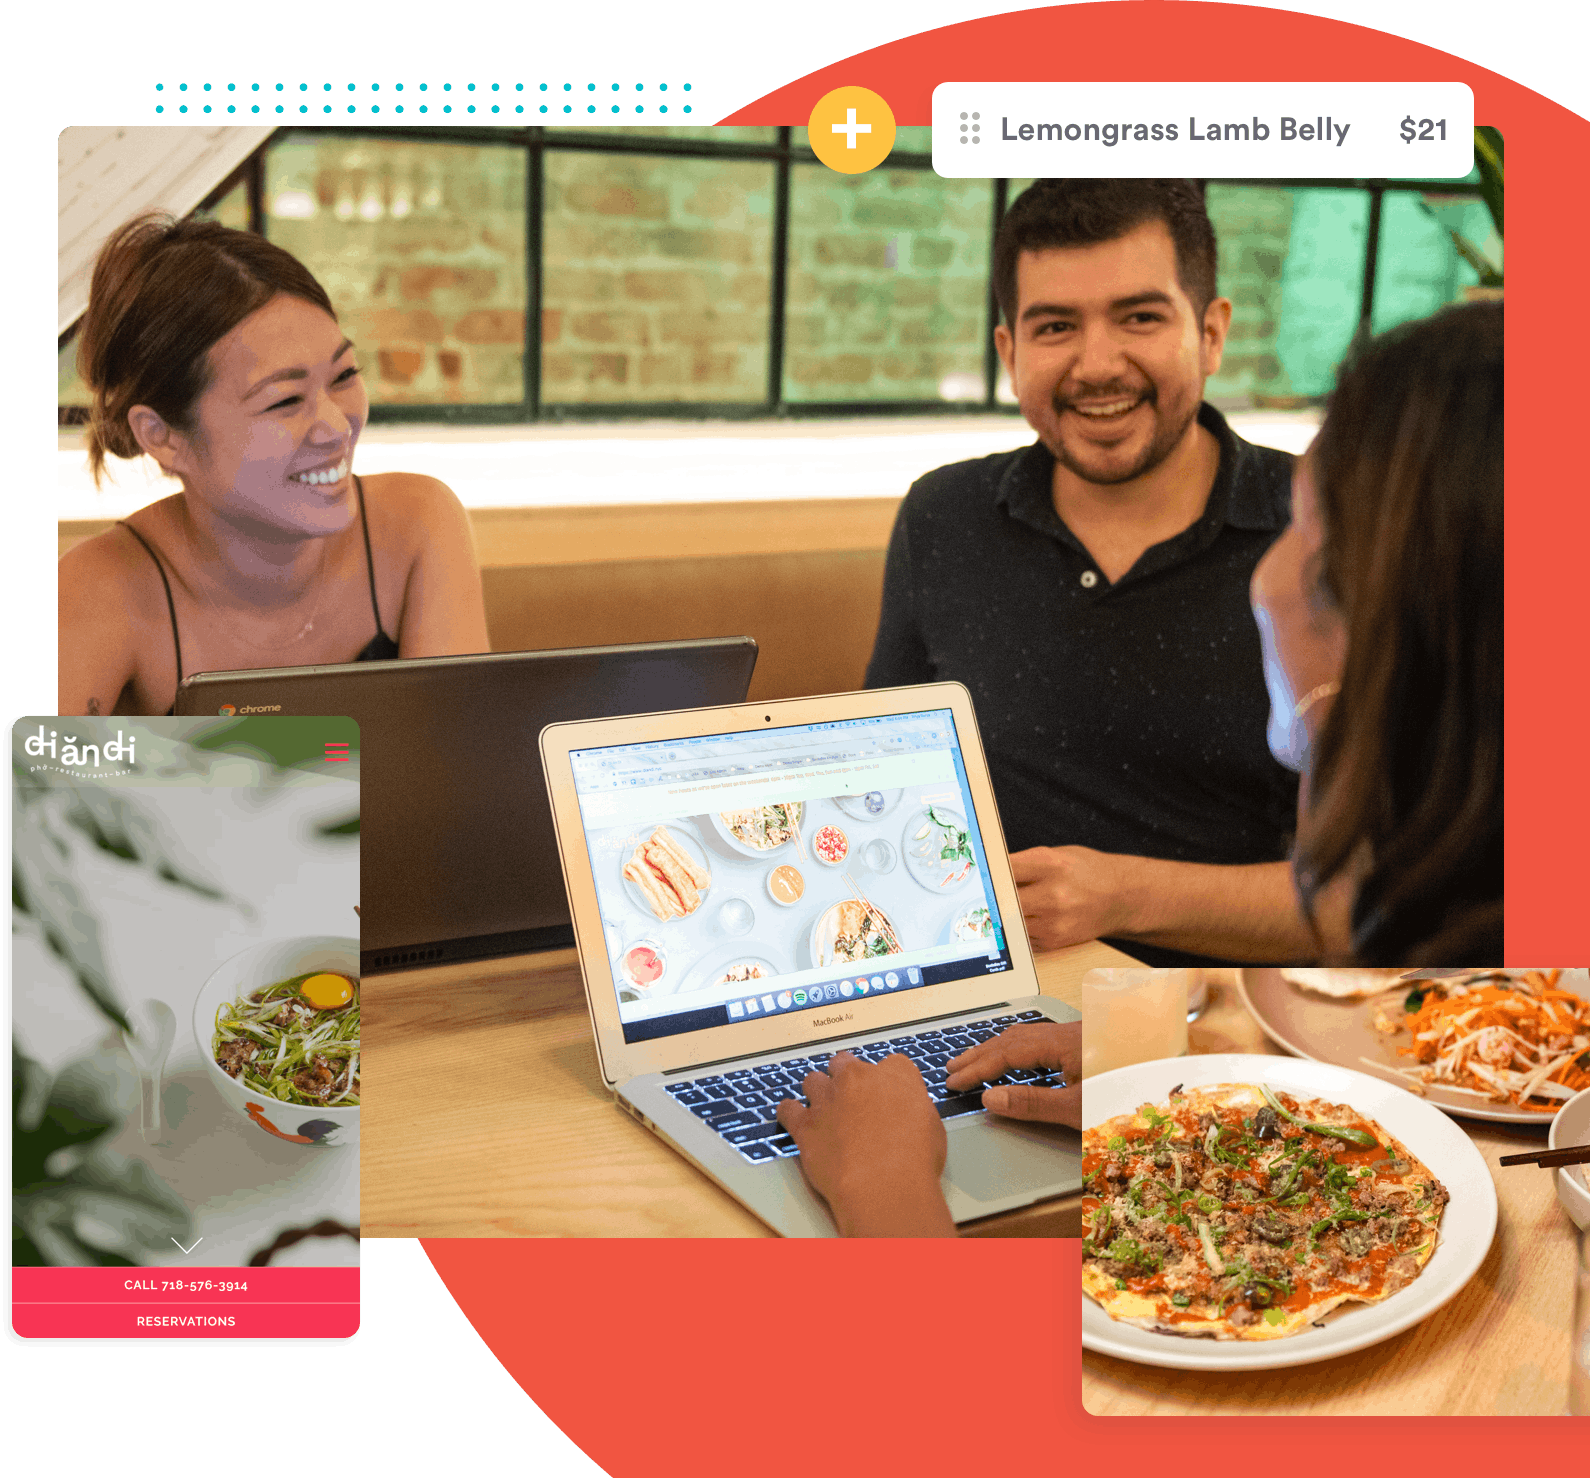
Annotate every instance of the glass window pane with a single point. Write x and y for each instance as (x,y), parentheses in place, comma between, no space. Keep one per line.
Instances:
(1003,391)
(70,390)
(888,281)
(230,210)
(422,249)
(1292,263)
(914,139)
(1253,227)
(657,278)
(711,133)
(1419,269)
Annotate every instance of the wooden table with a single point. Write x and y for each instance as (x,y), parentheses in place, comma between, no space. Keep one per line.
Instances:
(1500,1348)
(484,1115)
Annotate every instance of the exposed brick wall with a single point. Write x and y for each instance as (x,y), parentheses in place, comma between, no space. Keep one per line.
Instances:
(1253,226)
(888,275)
(657,278)
(422,249)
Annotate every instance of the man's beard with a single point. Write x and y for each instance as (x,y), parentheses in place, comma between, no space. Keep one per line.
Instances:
(1165,440)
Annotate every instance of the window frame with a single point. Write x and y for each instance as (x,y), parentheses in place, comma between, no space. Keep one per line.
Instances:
(782,153)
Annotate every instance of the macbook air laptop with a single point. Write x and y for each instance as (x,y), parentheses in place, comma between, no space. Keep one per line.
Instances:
(755,888)
(460,860)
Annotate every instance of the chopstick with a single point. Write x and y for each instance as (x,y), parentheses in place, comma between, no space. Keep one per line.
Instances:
(1551,1159)
(874,910)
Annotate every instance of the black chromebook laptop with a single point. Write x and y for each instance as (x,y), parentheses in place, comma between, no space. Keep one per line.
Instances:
(459,856)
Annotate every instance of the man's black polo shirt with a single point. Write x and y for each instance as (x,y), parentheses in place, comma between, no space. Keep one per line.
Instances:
(1127,717)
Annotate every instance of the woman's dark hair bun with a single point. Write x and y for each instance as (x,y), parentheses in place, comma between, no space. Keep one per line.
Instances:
(164,292)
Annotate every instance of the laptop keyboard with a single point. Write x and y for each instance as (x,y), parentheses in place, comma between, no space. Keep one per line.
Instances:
(742,1105)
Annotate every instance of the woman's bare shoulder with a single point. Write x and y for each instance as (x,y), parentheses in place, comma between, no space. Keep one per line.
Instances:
(418,525)
(111,600)
(108,569)
(414,516)
(413,495)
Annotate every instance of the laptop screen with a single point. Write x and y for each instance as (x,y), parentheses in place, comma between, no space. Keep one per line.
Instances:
(743,875)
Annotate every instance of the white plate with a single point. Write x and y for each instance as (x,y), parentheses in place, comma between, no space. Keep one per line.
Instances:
(745,848)
(876,963)
(854,805)
(701,975)
(1339,1031)
(1466,1228)
(683,832)
(930,872)
(948,935)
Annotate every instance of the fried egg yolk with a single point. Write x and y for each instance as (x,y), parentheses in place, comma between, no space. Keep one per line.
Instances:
(326,992)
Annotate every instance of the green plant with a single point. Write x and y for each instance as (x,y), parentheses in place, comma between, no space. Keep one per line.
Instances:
(75,1202)
(50,827)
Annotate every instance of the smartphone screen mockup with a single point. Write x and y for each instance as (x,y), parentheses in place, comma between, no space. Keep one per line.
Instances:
(185,1017)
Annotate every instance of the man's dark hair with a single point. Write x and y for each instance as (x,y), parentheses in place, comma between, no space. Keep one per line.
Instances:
(1058,213)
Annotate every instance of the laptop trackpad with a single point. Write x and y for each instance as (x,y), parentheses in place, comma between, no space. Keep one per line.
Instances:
(994,1161)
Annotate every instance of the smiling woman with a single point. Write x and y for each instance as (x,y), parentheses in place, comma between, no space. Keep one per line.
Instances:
(218,355)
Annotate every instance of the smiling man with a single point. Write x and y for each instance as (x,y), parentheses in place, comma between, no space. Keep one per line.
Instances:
(1091,590)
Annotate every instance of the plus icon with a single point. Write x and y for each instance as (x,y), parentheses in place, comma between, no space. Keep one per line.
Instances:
(850,128)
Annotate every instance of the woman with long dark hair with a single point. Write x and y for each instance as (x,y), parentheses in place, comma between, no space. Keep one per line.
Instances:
(1381,608)
(217,354)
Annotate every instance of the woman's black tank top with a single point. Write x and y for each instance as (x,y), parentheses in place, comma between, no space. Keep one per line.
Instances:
(379,648)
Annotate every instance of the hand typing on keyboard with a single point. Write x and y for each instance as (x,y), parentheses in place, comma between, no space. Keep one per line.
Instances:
(1047,1046)
(873,1146)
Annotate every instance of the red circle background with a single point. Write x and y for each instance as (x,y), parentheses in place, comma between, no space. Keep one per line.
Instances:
(773,1358)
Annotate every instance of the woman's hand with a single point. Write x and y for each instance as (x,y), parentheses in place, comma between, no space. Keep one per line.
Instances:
(1053,1046)
(873,1146)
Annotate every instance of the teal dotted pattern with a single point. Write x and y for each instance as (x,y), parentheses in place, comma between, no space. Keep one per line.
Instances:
(270,100)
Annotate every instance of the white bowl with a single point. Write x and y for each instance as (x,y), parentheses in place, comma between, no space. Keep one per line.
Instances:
(814,943)
(1572,1127)
(811,845)
(767,883)
(626,983)
(264,964)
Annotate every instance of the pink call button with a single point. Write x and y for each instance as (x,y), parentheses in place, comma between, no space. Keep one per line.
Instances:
(185,1303)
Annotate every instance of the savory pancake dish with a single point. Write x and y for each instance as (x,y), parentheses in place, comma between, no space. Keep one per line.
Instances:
(1341,985)
(1241,1212)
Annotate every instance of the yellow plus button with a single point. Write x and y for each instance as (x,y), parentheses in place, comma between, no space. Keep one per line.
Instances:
(851,130)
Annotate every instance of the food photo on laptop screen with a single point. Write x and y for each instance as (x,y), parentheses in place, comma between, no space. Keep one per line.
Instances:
(774,901)
(746,874)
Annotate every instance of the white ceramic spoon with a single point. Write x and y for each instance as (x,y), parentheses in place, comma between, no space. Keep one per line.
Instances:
(154,1029)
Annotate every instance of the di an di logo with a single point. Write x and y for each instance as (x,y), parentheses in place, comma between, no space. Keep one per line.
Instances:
(82,756)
